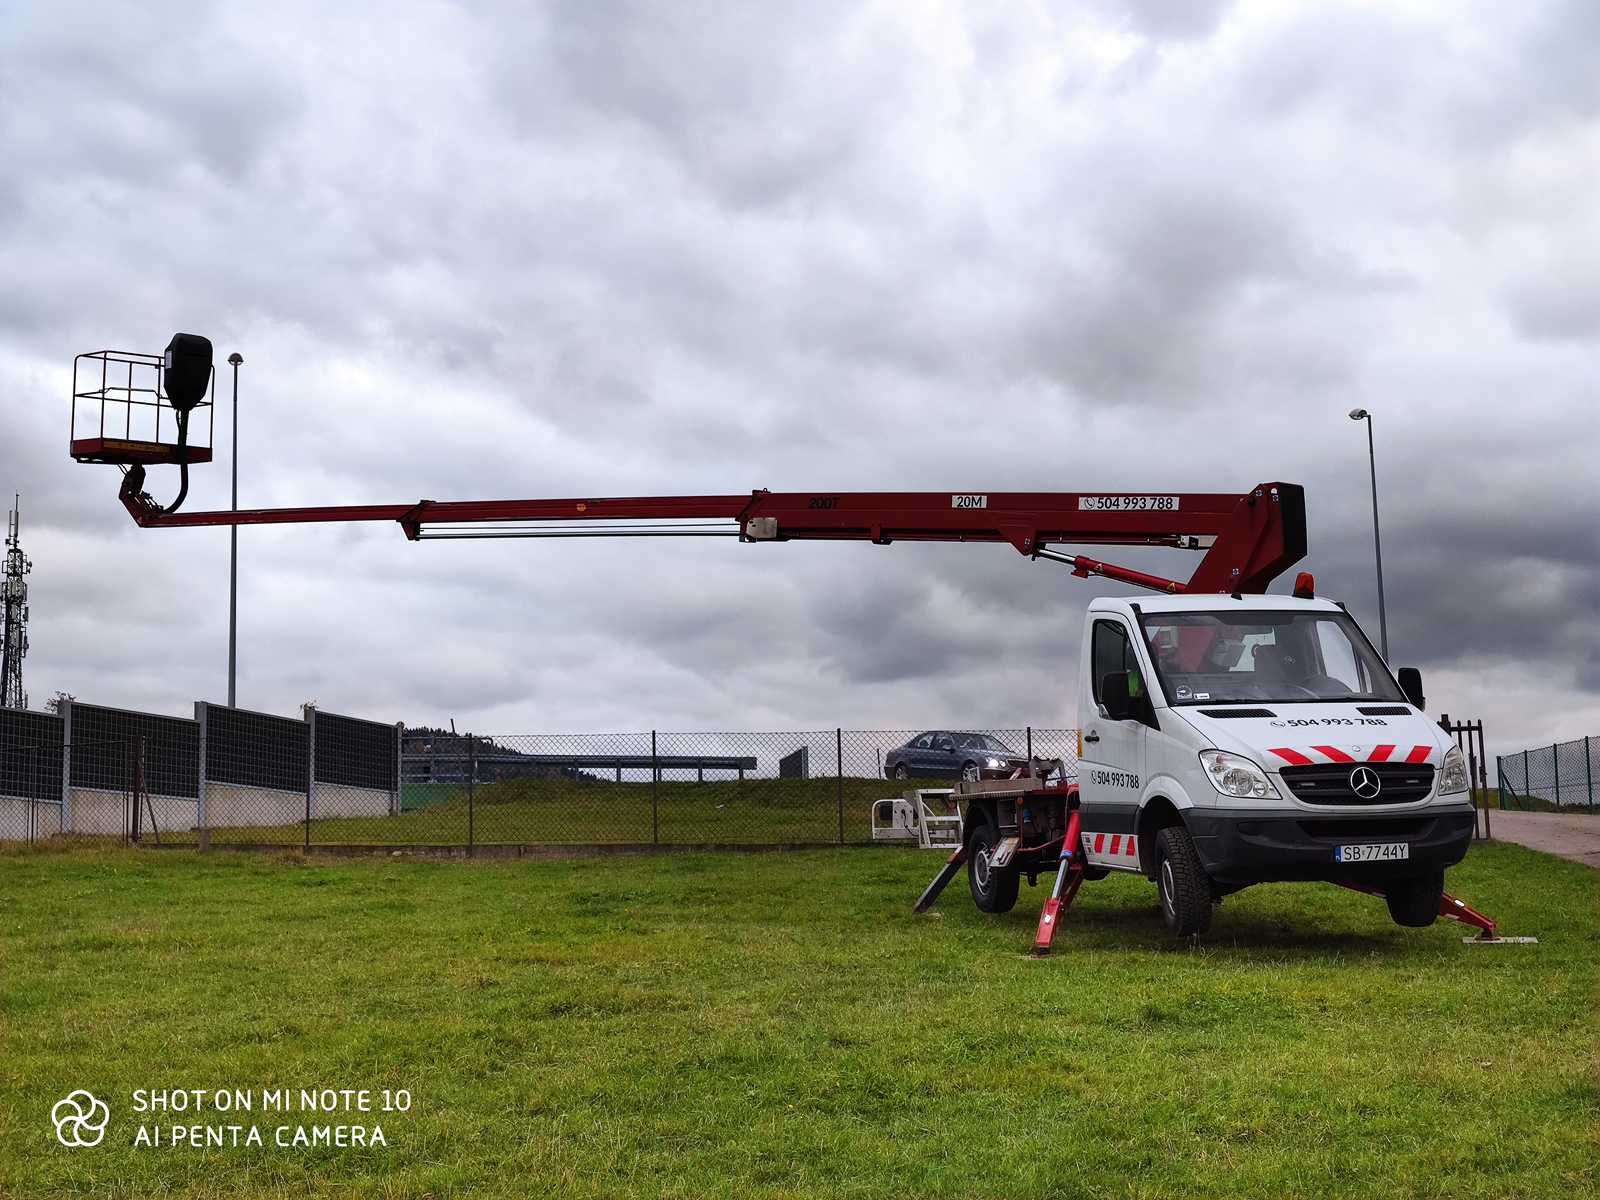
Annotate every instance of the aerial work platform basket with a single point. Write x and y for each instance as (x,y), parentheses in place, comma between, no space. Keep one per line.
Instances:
(121,413)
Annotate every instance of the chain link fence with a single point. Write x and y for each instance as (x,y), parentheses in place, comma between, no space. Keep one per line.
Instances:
(806,788)
(230,776)
(1551,778)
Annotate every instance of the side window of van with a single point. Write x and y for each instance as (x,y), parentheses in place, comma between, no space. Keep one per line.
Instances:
(1109,652)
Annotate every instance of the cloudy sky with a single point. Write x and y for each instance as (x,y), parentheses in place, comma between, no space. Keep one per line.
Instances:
(497,250)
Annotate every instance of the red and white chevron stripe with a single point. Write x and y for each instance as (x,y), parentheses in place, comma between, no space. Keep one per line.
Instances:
(1311,755)
(1111,849)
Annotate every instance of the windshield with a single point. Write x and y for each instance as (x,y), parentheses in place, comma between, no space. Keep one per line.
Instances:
(982,741)
(1283,657)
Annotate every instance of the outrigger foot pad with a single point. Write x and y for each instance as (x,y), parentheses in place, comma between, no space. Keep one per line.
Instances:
(942,880)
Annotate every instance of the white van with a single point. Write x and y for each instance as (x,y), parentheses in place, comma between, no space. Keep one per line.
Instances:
(1236,741)
(1228,741)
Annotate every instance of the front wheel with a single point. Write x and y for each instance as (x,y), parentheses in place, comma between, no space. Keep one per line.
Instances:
(1415,902)
(994,889)
(969,772)
(1186,900)
(901,771)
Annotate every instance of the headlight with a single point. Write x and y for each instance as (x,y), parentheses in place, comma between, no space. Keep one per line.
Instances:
(1453,775)
(1233,775)
(996,762)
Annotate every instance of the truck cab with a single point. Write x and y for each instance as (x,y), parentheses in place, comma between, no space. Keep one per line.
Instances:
(1235,740)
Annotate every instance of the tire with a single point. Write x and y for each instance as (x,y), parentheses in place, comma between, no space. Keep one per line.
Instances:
(901,771)
(1186,900)
(970,772)
(992,891)
(1414,902)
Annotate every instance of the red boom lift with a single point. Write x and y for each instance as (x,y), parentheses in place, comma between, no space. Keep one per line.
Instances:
(1245,540)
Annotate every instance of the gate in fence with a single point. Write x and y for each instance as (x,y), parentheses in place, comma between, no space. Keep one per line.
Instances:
(1469,740)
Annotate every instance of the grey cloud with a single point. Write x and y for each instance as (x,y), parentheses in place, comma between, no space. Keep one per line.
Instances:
(579,250)
(1178,20)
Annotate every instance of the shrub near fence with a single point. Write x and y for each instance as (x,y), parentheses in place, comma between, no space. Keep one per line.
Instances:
(1565,775)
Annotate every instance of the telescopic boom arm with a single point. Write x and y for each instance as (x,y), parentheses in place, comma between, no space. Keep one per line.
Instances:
(1248,539)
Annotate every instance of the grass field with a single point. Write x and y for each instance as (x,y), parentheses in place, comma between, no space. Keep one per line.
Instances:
(781,1025)
(544,811)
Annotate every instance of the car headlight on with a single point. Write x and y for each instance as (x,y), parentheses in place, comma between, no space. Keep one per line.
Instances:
(996,762)
(1453,775)
(1235,775)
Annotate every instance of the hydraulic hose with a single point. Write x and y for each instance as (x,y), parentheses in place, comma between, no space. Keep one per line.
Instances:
(183,461)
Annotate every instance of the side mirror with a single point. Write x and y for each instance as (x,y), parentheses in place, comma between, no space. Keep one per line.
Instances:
(1114,696)
(1411,685)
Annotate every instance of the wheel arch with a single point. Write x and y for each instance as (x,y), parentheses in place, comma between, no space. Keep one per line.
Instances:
(979,811)
(1155,814)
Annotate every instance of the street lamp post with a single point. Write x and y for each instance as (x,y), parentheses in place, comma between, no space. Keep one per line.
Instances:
(1361,414)
(234,360)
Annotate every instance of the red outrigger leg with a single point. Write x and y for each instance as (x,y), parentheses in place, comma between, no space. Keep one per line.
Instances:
(1449,906)
(1068,877)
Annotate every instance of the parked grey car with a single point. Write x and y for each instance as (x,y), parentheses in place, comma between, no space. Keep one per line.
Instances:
(948,754)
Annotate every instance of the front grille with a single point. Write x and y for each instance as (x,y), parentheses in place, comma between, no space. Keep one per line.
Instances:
(1329,783)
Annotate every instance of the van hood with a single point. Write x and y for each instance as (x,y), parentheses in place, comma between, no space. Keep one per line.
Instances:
(1283,735)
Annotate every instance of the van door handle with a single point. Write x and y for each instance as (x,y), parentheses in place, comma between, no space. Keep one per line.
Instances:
(1091,736)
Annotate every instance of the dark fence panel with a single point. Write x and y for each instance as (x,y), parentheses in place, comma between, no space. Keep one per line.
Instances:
(256,749)
(171,750)
(356,753)
(30,754)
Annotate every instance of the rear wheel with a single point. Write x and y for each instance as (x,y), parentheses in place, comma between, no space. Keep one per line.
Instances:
(901,771)
(994,889)
(1414,902)
(1186,900)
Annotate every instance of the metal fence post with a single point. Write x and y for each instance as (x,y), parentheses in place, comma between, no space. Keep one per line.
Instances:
(311,767)
(1030,743)
(472,787)
(1588,769)
(1527,783)
(397,798)
(1555,770)
(66,766)
(136,778)
(200,814)
(655,797)
(838,758)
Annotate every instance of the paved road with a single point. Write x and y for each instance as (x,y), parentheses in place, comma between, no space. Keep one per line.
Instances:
(1571,835)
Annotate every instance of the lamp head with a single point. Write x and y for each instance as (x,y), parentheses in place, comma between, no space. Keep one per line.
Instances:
(1359,414)
(186,370)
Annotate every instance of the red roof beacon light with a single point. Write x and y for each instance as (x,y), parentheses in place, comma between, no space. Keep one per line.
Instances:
(1305,587)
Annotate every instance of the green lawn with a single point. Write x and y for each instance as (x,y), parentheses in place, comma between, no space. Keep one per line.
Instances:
(782,1025)
(553,811)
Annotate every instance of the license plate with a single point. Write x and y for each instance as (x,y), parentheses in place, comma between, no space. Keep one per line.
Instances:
(1377,852)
